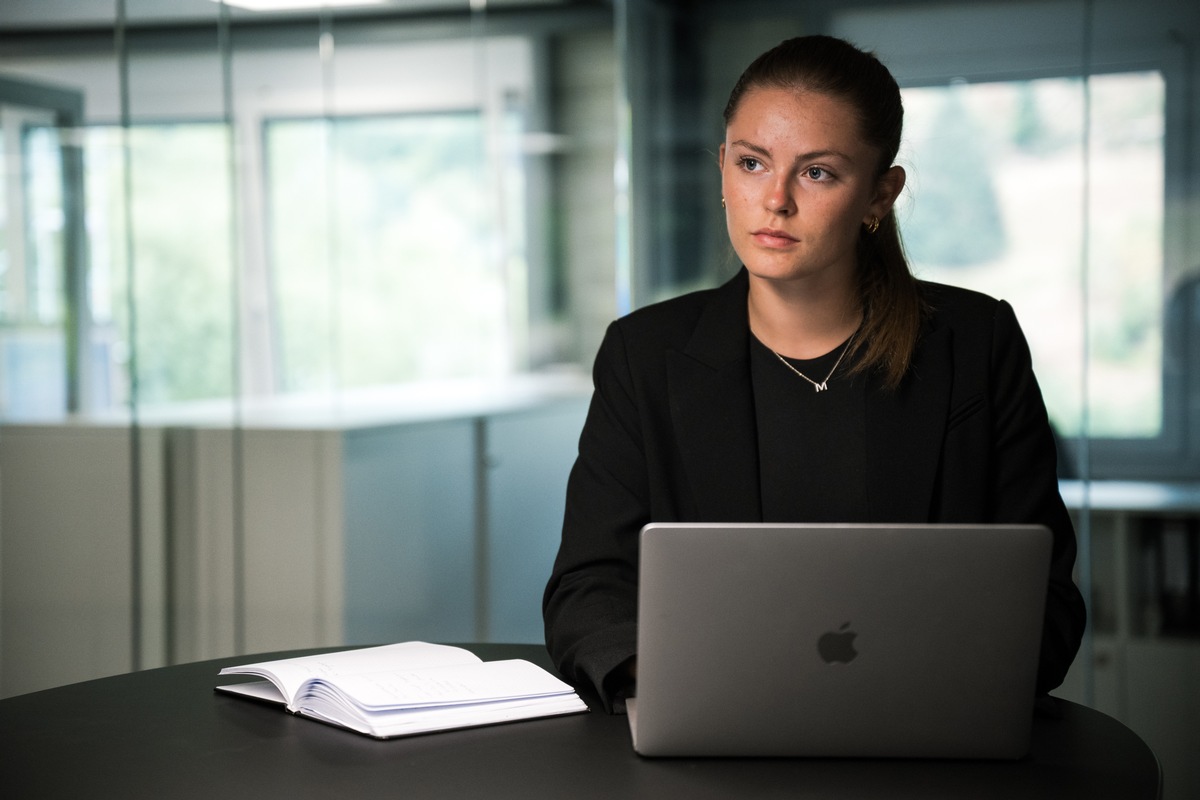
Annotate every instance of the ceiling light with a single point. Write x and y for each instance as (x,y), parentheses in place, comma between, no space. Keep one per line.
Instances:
(297,5)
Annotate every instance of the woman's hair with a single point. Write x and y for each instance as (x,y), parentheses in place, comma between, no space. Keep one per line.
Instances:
(892,306)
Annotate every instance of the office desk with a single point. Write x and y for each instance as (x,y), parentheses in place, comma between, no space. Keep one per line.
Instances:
(164,733)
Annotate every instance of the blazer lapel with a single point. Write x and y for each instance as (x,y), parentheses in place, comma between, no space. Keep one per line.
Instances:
(905,433)
(712,407)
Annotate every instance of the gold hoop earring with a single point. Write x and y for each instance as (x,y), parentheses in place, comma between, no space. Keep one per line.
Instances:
(722,202)
(873,225)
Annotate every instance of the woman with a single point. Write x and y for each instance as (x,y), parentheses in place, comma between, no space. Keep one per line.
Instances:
(823,383)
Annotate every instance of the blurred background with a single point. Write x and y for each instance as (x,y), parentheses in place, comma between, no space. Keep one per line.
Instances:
(298,300)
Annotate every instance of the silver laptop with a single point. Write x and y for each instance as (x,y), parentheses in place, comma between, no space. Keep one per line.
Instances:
(838,640)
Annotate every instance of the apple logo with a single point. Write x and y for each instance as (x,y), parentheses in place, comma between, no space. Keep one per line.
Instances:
(838,646)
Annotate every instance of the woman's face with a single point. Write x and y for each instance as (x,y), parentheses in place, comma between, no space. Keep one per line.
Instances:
(799,183)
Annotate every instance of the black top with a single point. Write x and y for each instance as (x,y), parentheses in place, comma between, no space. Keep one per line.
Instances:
(811,445)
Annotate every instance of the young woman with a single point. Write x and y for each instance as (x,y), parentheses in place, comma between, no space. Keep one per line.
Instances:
(823,383)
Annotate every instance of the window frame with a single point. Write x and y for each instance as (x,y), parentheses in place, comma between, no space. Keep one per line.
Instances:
(66,106)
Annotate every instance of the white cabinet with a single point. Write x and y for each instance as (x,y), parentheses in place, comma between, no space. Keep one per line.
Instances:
(410,547)
(82,591)
(414,520)
(441,529)
(254,541)
(529,455)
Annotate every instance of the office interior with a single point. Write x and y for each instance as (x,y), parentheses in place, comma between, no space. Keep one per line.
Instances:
(297,305)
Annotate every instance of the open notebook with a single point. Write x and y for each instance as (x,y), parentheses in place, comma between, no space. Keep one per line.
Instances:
(838,640)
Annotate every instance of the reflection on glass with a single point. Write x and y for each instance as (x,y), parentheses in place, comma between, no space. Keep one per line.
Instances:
(996,202)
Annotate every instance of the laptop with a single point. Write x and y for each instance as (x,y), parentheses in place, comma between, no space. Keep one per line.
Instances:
(846,640)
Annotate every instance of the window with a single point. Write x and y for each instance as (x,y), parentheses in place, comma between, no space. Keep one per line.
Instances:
(272,246)
(997,202)
(181,331)
(386,262)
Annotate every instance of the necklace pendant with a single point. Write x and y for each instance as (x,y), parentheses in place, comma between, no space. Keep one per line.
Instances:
(822,386)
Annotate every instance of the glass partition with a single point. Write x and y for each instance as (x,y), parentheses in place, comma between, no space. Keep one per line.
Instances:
(290,293)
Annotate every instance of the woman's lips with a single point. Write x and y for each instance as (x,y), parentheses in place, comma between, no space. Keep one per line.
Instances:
(769,237)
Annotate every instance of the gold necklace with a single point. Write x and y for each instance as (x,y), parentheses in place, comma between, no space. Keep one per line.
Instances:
(823,385)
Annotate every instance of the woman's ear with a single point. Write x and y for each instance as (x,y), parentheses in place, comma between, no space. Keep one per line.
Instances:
(721,157)
(887,189)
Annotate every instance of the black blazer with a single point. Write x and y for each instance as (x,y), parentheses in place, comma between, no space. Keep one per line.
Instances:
(671,436)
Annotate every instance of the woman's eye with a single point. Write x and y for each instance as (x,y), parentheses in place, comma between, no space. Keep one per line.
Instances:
(817,173)
(748,163)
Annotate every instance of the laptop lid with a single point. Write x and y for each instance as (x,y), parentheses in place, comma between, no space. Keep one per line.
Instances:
(838,640)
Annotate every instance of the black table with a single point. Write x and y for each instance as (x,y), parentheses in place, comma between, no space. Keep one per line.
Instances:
(164,733)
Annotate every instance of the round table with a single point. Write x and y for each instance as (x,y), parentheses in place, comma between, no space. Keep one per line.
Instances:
(164,733)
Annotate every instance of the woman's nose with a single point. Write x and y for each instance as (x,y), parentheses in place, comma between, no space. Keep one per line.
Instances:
(779,199)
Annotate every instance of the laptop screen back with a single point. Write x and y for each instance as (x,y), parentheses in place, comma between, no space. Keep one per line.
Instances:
(839,640)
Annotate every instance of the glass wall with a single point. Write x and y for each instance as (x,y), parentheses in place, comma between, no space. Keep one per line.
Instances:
(315,292)
(287,296)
